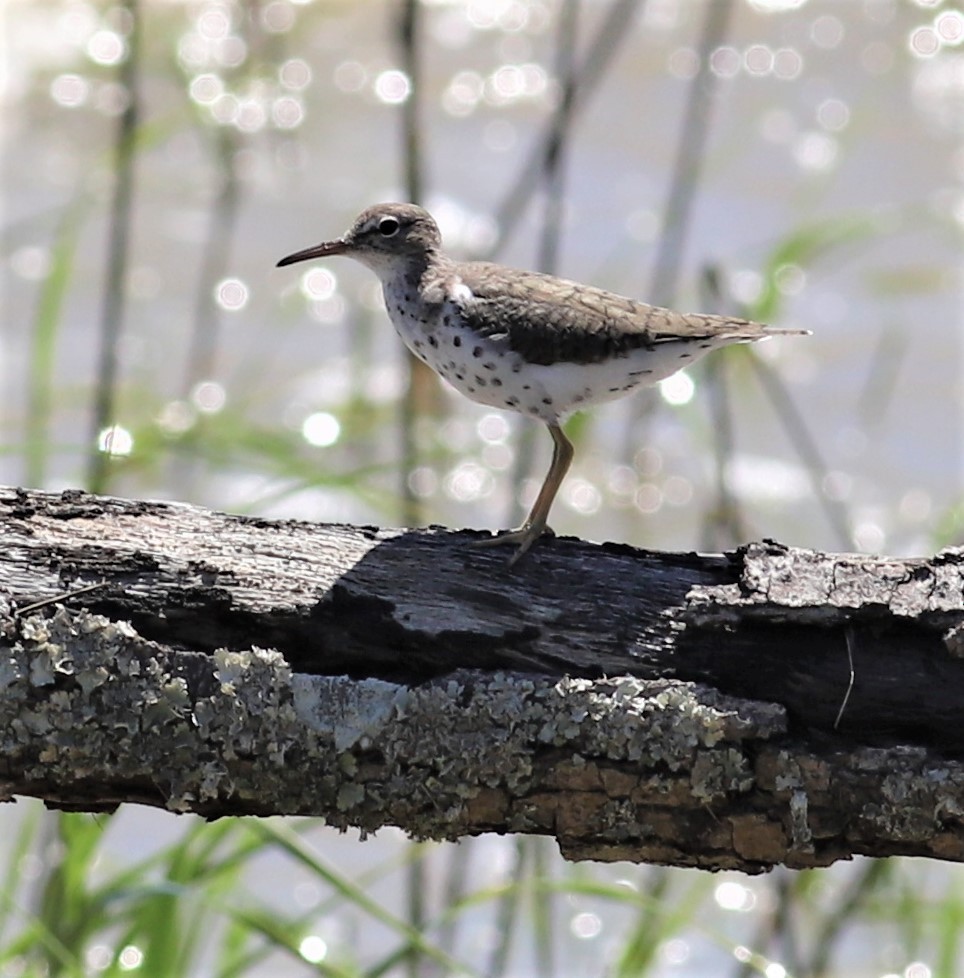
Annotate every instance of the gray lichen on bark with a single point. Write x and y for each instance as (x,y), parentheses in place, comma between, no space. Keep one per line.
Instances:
(88,704)
(619,768)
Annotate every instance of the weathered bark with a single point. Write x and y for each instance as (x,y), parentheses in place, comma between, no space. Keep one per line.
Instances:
(676,708)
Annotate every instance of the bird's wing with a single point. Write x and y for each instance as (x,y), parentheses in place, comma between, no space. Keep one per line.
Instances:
(548,320)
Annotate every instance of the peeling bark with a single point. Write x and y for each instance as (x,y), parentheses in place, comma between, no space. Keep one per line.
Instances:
(678,708)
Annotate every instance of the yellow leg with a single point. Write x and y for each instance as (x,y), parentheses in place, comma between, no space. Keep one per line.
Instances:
(536,522)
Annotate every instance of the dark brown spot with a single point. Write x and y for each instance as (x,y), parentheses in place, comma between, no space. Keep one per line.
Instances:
(512,401)
(496,382)
(489,365)
(456,340)
(526,387)
(547,400)
(432,341)
(477,351)
(481,381)
(471,390)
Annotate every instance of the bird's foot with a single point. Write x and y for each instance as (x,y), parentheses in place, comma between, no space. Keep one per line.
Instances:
(525,537)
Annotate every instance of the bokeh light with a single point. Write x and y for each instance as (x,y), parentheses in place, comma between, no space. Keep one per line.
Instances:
(392,87)
(106,48)
(115,440)
(313,948)
(69,90)
(231,294)
(321,429)
(678,389)
(209,396)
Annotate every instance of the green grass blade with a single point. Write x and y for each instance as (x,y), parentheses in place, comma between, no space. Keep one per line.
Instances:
(45,331)
(288,841)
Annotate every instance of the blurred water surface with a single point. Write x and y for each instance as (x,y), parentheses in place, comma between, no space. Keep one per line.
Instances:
(832,140)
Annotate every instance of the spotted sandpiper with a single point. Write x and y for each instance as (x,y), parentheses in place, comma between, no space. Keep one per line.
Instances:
(522,341)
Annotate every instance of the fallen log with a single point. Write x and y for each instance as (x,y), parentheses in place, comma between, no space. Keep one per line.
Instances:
(771,705)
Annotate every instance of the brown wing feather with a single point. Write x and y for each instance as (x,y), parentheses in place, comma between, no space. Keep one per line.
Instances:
(548,320)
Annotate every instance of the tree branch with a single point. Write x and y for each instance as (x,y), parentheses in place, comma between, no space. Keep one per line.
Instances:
(676,708)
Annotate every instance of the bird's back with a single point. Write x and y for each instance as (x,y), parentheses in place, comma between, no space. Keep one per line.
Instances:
(549,320)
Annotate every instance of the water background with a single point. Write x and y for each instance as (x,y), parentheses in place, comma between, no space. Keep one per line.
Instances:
(249,388)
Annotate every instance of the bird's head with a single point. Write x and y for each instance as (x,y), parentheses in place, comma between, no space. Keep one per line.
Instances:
(388,238)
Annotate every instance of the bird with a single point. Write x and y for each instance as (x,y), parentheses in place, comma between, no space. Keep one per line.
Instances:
(523,341)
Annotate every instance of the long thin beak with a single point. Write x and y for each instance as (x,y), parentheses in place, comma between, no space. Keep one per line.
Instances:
(316,251)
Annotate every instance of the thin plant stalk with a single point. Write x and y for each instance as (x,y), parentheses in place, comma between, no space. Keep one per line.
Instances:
(419,383)
(806,446)
(602,52)
(690,154)
(201,360)
(845,913)
(553,164)
(644,938)
(118,255)
(43,348)
(723,524)
(215,257)
(409,37)
(418,386)
(553,171)
(542,917)
(775,929)
(877,394)
(421,386)
(457,880)
(507,912)
(416,884)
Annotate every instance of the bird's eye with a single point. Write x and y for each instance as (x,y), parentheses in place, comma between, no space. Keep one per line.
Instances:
(387,226)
